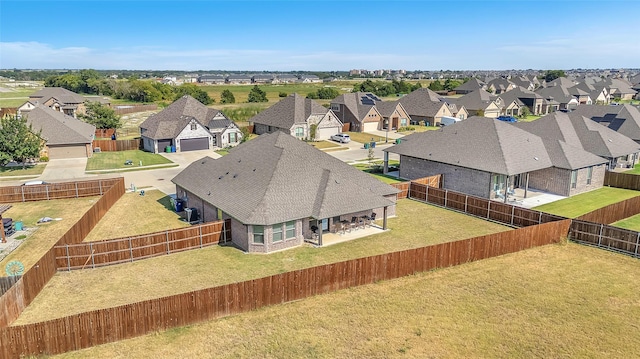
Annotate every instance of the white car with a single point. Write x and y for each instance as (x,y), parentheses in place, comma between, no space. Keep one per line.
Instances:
(341,137)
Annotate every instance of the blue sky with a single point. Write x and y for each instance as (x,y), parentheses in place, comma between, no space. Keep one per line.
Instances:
(319,35)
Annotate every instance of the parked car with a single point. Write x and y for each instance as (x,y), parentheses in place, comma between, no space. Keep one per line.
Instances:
(341,137)
(507,118)
(34,183)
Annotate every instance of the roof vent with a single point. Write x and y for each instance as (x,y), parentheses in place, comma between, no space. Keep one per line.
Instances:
(254,170)
(209,194)
(610,140)
(536,158)
(235,175)
(227,173)
(220,177)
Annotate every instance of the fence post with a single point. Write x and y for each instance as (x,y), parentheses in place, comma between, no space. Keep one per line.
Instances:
(68,258)
(167,236)
(512,213)
(76,189)
(539,217)
(22,190)
(46,188)
(600,235)
(446,192)
(409,190)
(200,231)
(488,208)
(466,198)
(130,249)
(93,262)
(100,184)
(637,243)
(224,227)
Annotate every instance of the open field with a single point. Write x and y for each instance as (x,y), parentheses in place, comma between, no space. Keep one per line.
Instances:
(417,225)
(15,96)
(539,303)
(126,218)
(46,235)
(116,160)
(241,92)
(586,202)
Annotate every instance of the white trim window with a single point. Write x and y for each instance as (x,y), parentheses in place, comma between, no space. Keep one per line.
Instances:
(589,174)
(258,234)
(574,179)
(276,235)
(290,229)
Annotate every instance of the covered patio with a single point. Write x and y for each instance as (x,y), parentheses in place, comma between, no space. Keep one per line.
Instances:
(340,236)
(528,198)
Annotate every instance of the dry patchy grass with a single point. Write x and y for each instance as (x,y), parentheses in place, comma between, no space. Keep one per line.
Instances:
(133,214)
(417,225)
(542,302)
(46,234)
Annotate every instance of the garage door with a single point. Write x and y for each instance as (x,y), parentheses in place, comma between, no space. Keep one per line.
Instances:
(193,144)
(326,133)
(162,145)
(370,126)
(58,152)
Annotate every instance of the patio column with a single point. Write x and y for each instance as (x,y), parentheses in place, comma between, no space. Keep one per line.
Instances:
(506,188)
(3,239)
(319,225)
(386,162)
(526,185)
(384,219)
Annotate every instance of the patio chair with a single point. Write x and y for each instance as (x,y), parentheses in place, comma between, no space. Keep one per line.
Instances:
(354,222)
(372,218)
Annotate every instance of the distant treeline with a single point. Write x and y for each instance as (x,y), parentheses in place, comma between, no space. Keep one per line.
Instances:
(386,88)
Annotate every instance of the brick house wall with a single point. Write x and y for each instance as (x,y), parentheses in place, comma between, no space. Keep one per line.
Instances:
(558,180)
(465,180)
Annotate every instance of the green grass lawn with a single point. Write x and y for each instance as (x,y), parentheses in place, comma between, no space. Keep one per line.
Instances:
(18,171)
(418,128)
(417,224)
(364,137)
(528,118)
(586,202)
(322,145)
(557,301)
(158,216)
(634,171)
(16,97)
(632,223)
(366,167)
(44,235)
(116,160)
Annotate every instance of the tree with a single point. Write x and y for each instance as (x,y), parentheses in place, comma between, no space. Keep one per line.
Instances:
(18,141)
(100,116)
(312,95)
(257,95)
(227,97)
(524,111)
(327,93)
(551,75)
(450,84)
(436,86)
(193,91)
(283,94)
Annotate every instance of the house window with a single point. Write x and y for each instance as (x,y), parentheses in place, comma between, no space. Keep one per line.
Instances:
(403,122)
(258,234)
(291,229)
(233,137)
(299,132)
(589,174)
(194,127)
(335,108)
(574,178)
(277,232)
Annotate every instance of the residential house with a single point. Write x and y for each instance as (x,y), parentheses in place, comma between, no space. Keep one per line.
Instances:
(581,132)
(212,79)
(424,105)
(185,126)
(298,116)
(262,78)
(597,93)
(310,79)
(358,110)
(58,98)
(524,81)
(477,103)
(393,115)
(624,119)
(285,79)
(500,85)
(581,95)
(274,189)
(537,104)
(64,135)
(560,95)
(619,88)
(236,79)
(472,85)
(488,158)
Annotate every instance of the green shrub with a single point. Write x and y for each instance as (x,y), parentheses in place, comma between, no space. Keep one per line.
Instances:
(406,129)
(283,94)
(44,159)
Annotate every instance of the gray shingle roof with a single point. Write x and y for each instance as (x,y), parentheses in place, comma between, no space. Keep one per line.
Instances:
(421,102)
(288,111)
(169,122)
(561,81)
(476,100)
(623,119)
(480,143)
(58,128)
(358,103)
(557,93)
(61,94)
(276,178)
(471,85)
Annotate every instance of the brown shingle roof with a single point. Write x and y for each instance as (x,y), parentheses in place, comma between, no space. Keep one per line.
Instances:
(276,178)
(58,128)
(422,102)
(288,111)
(61,94)
(169,122)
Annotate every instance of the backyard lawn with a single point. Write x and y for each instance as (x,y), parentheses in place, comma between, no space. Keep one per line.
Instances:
(545,302)
(578,205)
(632,223)
(634,171)
(45,235)
(124,216)
(116,160)
(416,225)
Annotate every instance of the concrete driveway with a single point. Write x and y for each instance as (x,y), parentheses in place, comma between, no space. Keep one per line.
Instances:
(64,169)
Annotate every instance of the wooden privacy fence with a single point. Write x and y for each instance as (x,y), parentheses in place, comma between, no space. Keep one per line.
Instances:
(613,212)
(129,249)
(20,295)
(104,132)
(480,207)
(432,181)
(622,180)
(7,282)
(61,190)
(606,237)
(116,145)
(127,321)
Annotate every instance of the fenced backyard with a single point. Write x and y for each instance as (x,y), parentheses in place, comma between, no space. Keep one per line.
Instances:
(116,145)
(113,324)
(122,250)
(13,194)
(622,180)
